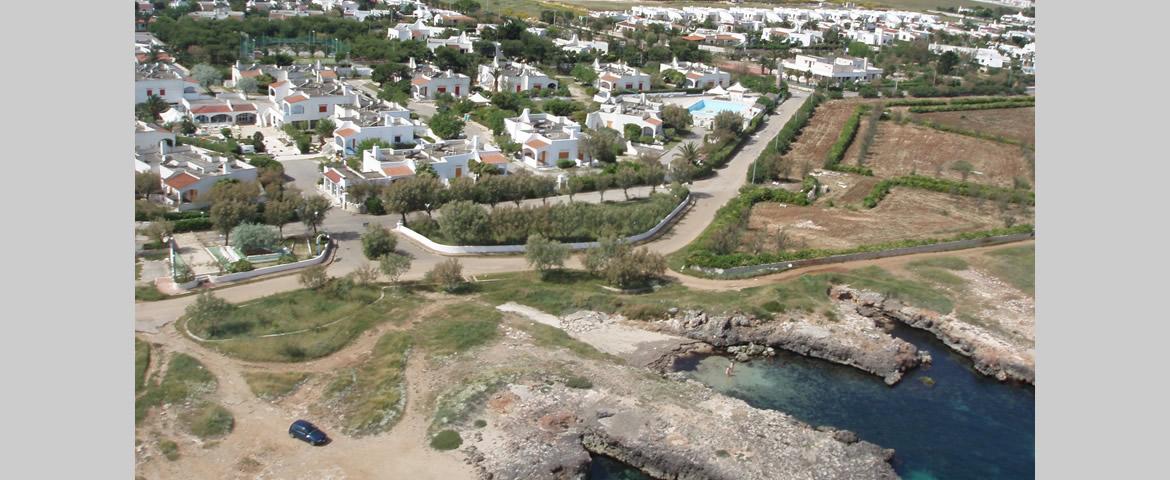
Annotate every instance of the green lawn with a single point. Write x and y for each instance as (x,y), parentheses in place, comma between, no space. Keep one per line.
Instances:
(457,327)
(327,320)
(912,292)
(274,385)
(141,364)
(186,379)
(369,398)
(148,293)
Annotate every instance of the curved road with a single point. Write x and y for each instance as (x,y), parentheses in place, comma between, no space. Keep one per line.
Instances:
(710,195)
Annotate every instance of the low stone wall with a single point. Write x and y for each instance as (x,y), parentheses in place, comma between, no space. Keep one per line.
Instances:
(235,277)
(753,270)
(515,249)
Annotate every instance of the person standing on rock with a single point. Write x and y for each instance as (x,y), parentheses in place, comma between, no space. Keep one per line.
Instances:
(730,369)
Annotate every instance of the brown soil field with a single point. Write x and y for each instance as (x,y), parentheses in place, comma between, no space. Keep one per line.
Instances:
(899,150)
(822,131)
(903,215)
(1011,123)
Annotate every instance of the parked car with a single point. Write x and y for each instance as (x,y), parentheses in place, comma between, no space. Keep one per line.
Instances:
(303,430)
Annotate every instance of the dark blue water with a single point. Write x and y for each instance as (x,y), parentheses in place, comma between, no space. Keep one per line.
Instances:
(605,468)
(965,426)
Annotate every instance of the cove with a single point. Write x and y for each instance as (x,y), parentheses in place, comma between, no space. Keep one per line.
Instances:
(965,426)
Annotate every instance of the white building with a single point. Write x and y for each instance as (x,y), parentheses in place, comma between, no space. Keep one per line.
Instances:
(428,82)
(812,69)
(545,138)
(392,125)
(166,80)
(617,76)
(576,45)
(450,160)
(804,38)
(148,135)
(513,77)
(697,74)
(987,57)
(222,110)
(306,102)
(188,172)
(461,42)
(617,114)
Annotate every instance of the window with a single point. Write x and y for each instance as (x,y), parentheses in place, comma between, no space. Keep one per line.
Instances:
(149,92)
(629,86)
(441,90)
(563,155)
(323,108)
(457,90)
(298,109)
(162,92)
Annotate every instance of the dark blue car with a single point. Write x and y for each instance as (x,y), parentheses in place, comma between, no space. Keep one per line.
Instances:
(308,432)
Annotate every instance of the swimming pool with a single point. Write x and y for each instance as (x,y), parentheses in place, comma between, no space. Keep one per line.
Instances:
(713,107)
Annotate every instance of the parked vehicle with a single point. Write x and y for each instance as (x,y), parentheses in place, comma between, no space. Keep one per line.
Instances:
(303,430)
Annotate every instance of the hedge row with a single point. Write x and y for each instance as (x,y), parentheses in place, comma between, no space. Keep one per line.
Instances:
(783,139)
(933,184)
(709,260)
(970,133)
(193,225)
(919,102)
(970,106)
(737,209)
(140,216)
(848,133)
(728,149)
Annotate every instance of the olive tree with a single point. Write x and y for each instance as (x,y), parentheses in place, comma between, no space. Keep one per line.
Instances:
(545,254)
(378,241)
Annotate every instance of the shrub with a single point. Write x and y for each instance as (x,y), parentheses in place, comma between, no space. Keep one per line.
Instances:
(241,265)
(848,132)
(378,241)
(374,206)
(169,449)
(480,423)
(314,277)
(212,421)
(578,382)
(193,225)
(447,275)
(644,311)
(446,440)
(252,238)
(566,163)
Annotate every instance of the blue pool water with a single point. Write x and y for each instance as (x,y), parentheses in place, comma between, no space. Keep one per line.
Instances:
(713,107)
(965,426)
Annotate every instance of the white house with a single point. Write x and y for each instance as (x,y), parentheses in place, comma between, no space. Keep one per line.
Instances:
(576,45)
(839,69)
(166,80)
(804,38)
(513,77)
(223,110)
(545,138)
(188,172)
(617,76)
(148,135)
(697,74)
(987,57)
(392,126)
(461,42)
(616,115)
(306,102)
(428,82)
(449,160)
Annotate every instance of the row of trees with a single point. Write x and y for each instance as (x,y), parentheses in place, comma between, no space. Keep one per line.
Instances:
(234,202)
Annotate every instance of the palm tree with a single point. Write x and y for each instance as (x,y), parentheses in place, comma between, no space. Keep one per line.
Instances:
(152,108)
(689,152)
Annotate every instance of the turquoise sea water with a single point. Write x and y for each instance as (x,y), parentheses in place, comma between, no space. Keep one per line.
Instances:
(965,426)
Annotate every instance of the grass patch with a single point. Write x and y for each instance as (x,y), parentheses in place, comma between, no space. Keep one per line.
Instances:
(186,379)
(458,327)
(577,381)
(210,420)
(909,291)
(949,263)
(137,271)
(274,385)
(938,276)
(169,449)
(1016,266)
(141,364)
(148,293)
(446,440)
(327,319)
(369,398)
(548,336)
(480,423)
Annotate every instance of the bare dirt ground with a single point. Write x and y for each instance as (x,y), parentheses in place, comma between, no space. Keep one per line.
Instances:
(904,214)
(1012,123)
(822,131)
(900,150)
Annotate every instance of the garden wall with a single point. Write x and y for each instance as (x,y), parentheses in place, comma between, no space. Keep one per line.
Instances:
(514,249)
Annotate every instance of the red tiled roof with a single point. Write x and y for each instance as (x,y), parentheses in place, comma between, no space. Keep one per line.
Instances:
(218,108)
(295,98)
(244,107)
(536,143)
(250,73)
(694,38)
(277,83)
(181,180)
(694,75)
(345,132)
(494,158)
(398,171)
(328,74)
(609,77)
(653,121)
(420,81)
(333,176)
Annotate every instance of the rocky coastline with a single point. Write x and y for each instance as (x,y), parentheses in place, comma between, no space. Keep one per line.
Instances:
(542,431)
(991,354)
(848,338)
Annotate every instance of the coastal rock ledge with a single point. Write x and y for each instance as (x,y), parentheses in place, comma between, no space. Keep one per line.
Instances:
(550,432)
(991,354)
(845,337)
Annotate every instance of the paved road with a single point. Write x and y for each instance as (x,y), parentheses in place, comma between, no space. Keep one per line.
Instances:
(710,194)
